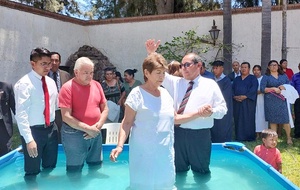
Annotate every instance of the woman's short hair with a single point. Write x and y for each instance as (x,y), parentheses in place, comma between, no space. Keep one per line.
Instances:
(152,62)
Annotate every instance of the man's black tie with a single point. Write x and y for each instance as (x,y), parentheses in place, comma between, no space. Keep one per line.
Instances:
(185,99)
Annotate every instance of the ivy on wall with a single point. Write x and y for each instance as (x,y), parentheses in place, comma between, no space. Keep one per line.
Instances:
(190,42)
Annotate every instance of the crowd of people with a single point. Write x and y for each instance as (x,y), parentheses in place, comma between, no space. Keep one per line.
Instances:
(172,118)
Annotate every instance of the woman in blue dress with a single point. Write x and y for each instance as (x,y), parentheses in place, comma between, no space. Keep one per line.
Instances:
(276,110)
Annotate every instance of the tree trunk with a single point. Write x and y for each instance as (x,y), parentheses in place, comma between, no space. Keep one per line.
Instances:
(265,34)
(227,37)
(284,24)
(164,6)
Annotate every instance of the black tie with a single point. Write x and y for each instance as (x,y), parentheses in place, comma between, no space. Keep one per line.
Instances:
(55,79)
(185,100)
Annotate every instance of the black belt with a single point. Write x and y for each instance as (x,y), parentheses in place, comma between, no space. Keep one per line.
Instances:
(43,126)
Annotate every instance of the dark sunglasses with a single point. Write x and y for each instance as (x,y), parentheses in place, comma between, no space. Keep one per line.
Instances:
(185,65)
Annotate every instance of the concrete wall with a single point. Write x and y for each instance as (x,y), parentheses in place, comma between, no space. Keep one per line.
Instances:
(20,32)
(123,42)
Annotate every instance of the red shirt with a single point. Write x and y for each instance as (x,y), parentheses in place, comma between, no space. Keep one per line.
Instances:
(83,100)
(270,155)
(289,73)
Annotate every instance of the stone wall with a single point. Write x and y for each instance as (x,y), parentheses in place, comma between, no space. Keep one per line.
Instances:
(100,60)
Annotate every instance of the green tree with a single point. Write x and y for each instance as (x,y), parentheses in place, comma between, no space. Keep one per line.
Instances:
(67,7)
(181,6)
(181,45)
(102,9)
(191,42)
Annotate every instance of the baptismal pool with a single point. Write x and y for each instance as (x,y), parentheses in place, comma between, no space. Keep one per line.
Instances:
(233,167)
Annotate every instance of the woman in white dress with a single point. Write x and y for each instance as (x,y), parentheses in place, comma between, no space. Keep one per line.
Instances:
(149,114)
(260,121)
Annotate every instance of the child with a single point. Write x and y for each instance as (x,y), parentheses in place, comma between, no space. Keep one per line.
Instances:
(268,151)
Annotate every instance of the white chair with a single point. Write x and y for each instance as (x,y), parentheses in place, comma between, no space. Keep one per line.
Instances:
(112,132)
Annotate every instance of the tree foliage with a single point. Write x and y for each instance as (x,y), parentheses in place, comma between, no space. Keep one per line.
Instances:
(190,42)
(102,9)
(66,7)
(181,45)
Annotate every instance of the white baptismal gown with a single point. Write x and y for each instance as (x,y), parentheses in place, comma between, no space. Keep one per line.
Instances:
(151,152)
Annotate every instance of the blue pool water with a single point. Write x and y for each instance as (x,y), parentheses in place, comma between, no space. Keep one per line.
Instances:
(230,169)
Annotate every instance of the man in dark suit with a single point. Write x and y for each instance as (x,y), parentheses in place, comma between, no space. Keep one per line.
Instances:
(236,71)
(60,77)
(6,125)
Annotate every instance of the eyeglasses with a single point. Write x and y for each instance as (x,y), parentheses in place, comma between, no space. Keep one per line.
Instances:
(273,65)
(46,65)
(185,65)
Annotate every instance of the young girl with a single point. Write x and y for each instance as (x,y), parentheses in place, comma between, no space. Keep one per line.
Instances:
(268,151)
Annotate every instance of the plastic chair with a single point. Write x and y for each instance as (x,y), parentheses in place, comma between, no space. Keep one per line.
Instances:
(112,132)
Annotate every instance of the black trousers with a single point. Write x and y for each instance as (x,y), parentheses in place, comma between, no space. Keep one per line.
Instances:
(297,118)
(58,122)
(4,139)
(47,146)
(192,150)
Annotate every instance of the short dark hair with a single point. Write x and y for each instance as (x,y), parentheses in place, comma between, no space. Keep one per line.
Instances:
(37,53)
(246,63)
(282,60)
(113,69)
(218,63)
(256,66)
(268,133)
(54,53)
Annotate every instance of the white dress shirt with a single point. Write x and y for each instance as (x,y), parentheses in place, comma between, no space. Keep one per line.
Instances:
(30,103)
(237,74)
(205,91)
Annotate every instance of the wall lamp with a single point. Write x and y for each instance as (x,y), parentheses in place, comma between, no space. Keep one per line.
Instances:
(214,32)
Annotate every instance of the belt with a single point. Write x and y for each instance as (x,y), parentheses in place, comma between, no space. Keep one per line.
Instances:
(43,125)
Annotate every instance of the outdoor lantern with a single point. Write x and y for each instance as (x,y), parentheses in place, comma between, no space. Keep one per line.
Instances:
(214,32)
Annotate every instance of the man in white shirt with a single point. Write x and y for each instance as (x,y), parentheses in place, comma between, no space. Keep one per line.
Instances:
(36,126)
(205,103)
